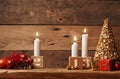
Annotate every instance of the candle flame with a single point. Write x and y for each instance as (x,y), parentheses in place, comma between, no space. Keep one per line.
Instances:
(85,30)
(75,38)
(37,34)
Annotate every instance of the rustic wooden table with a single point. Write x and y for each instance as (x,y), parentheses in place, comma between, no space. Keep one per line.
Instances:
(58,73)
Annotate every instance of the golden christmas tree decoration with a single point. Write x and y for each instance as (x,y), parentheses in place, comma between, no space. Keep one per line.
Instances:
(106,48)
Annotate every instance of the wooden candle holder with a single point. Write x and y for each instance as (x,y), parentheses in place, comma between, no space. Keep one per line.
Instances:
(72,64)
(37,62)
(86,62)
(83,62)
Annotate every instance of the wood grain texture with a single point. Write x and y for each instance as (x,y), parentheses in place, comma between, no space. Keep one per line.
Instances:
(81,12)
(17,37)
(58,73)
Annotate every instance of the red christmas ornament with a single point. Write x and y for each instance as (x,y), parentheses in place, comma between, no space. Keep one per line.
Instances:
(5,63)
(117,65)
(2,65)
(9,64)
(29,60)
(15,61)
(21,56)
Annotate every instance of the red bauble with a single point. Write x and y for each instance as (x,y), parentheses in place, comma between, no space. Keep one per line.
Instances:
(15,60)
(117,65)
(29,61)
(21,56)
(2,64)
(9,64)
(6,63)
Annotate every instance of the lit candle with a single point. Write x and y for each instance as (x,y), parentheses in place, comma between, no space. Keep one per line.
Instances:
(74,51)
(85,43)
(37,45)
(75,63)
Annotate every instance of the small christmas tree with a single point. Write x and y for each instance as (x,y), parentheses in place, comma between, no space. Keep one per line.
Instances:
(106,48)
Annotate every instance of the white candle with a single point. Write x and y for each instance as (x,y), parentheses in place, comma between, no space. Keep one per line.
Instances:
(75,63)
(74,51)
(84,44)
(37,45)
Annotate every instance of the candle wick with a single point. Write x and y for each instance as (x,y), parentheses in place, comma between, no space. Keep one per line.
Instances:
(37,36)
(74,41)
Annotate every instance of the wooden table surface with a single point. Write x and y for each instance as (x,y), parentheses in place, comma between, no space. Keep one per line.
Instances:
(58,73)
